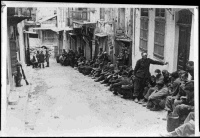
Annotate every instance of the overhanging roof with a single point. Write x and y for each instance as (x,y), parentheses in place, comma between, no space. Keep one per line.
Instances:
(55,29)
(29,32)
(101,34)
(42,28)
(124,40)
(47,18)
(62,29)
(16,19)
(84,22)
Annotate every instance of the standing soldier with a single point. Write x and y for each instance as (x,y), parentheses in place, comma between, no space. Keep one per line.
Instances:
(47,57)
(100,55)
(18,76)
(41,59)
(141,73)
(120,58)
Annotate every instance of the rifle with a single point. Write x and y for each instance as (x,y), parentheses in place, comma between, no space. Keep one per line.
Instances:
(24,76)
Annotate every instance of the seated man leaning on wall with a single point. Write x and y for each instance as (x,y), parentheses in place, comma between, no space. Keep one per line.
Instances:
(167,79)
(108,74)
(182,110)
(177,92)
(190,68)
(97,71)
(125,79)
(103,72)
(157,99)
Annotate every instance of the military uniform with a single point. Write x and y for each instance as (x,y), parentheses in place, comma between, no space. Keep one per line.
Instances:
(18,75)
(142,74)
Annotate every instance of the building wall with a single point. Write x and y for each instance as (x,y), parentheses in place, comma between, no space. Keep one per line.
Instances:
(21,42)
(43,12)
(191,57)
(170,51)
(170,44)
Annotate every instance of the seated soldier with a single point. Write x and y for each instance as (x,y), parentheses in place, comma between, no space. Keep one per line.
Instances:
(182,110)
(150,83)
(88,68)
(159,77)
(124,80)
(176,93)
(186,129)
(117,77)
(127,90)
(157,99)
(110,77)
(105,71)
(166,76)
(94,66)
(190,68)
(97,71)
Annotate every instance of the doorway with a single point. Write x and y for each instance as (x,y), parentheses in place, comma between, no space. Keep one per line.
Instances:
(184,23)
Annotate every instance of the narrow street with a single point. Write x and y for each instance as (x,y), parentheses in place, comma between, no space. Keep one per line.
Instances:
(63,102)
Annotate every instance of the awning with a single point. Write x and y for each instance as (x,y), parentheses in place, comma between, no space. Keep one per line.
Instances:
(62,29)
(16,19)
(101,35)
(84,22)
(47,18)
(124,40)
(29,32)
(43,28)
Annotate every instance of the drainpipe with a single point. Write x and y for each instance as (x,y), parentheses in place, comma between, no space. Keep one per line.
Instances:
(134,31)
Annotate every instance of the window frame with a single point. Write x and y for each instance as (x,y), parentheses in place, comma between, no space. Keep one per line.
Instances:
(142,29)
(162,20)
(102,14)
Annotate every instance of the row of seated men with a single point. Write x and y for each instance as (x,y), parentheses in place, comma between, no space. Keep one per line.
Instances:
(173,92)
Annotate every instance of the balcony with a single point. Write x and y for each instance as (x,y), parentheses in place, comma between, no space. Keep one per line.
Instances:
(80,16)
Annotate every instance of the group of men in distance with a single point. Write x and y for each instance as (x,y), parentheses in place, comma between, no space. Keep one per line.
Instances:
(173,92)
(68,58)
(39,59)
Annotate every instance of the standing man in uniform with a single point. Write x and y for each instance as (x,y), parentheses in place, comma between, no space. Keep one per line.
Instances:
(41,59)
(47,55)
(141,73)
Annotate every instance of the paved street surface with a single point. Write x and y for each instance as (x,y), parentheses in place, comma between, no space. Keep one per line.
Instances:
(60,101)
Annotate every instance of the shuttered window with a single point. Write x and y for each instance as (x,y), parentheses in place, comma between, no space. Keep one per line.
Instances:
(102,13)
(159,37)
(144,22)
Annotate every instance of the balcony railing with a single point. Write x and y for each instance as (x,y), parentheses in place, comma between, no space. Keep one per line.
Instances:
(80,15)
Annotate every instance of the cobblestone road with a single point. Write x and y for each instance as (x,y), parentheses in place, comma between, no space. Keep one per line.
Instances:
(63,102)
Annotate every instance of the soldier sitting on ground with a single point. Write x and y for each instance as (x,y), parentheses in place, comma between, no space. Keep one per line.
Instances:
(149,84)
(124,79)
(181,111)
(97,71)
(156,101)
(105,69)
(159,77)
(178,92)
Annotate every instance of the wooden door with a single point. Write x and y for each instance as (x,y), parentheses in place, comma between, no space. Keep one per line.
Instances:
(184,22)
(183,47)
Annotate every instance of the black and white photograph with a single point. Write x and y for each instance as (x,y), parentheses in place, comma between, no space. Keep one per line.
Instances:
(91,69)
